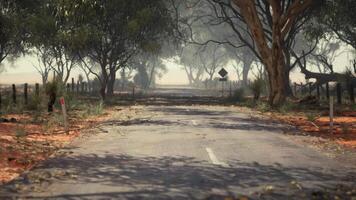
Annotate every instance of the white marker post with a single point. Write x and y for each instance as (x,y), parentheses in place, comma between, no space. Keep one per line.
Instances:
(331,114)
(64,111)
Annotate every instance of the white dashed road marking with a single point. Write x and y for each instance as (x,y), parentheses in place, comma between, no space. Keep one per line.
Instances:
(214,159)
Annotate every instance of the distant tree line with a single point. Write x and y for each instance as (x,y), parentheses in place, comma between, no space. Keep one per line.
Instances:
(116,37)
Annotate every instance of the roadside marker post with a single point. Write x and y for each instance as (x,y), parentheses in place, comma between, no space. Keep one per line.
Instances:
(331,114)
(64,111)
(223,73)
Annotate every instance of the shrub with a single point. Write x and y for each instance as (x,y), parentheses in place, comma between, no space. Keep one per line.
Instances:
(286,107)
(257,87)
(20,132)
(345,128)
(311,117)
(239,95)
(96,110)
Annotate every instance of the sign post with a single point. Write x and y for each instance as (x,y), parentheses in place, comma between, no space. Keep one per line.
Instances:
(64,111)
(331,114)
(223,73)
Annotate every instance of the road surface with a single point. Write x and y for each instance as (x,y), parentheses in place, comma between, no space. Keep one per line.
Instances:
(182,152)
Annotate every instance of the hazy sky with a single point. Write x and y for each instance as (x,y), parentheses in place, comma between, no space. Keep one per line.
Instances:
(22,71)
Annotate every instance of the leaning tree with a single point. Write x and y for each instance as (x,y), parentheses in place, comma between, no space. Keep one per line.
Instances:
(272,26)
(266,27)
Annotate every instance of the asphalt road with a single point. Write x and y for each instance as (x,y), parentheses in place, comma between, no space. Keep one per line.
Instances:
(187,153)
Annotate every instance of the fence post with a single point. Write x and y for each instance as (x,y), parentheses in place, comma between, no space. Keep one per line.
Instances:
(338,93)
(133,92)
(295,89)
(0,100)
(331,114)
(230,89)
(37,90)
(310,88)
(78,87)
(82,87)
(327,91)
(73,85)
(318,91)
(25,90)
(352,93)
(68,87)
(14,93)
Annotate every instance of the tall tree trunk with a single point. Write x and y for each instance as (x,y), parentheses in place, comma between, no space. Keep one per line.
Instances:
(271,51)
(103,82)
(111,83)
(287,85)
(247,62)
(276,68)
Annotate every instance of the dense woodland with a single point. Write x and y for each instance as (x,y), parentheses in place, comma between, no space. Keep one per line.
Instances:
(113,39)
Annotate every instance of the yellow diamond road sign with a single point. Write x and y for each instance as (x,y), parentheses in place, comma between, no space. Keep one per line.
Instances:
(222,72)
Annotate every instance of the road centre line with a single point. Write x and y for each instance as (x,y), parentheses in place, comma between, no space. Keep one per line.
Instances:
(214,159)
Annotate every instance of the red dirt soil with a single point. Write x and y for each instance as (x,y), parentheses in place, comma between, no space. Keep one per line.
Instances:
(344,130)
(20,153)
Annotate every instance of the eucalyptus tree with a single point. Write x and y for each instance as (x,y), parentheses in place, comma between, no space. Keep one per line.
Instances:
(266,27)
(44,64)
(51,37)
(191,63)
(336,18)
(13,27)
(149,67)
(212,58)
(116,30)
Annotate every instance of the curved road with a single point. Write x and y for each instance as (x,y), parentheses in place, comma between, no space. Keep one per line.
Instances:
(187,153)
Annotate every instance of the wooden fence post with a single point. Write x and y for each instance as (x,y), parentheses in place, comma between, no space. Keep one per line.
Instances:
(37,90)
(14,94)
(133,92)
(73,85)
(318,91)
(295,89)
(25,92)
(352,93)
(68,87)
(0,101)
(331,114)
(82,87)
(230,89)
(310,88)
(78,85)
(327,91)
(338,93)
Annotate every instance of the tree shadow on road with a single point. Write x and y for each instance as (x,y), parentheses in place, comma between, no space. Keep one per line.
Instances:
(208,119)
(178,178)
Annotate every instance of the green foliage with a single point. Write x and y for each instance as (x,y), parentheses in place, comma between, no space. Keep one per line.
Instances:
(345,128)
(52,121)
(257,87)
(263,106)
(96,109)
(286,107)
(239,95)
(335,17)
(311,116)
(35,102)
(52,87)
(20,132)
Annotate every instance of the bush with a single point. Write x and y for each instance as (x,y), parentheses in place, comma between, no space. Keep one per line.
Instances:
(239,95)
(311,117)
(35,102)
(286,107)
(96,110)
(257,87)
